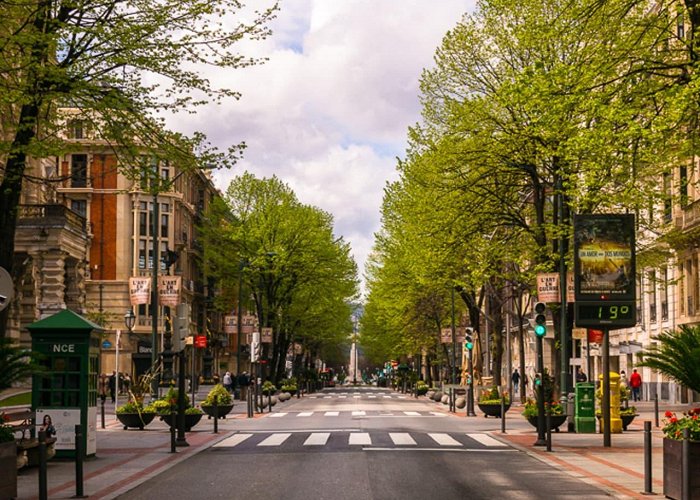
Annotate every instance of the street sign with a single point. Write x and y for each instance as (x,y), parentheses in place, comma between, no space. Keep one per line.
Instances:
(106,344)
(200,341)
(7,288)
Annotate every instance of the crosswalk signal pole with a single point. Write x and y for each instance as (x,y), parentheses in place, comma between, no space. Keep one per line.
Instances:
(469,344)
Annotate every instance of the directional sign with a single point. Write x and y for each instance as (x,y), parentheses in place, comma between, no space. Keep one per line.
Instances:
(7,288)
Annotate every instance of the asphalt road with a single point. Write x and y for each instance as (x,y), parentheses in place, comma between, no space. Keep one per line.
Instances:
(361,444)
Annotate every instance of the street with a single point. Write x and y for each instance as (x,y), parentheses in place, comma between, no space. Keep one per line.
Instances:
(364,443)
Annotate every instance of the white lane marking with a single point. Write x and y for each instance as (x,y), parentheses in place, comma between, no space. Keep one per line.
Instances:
(312,397)
(305,414)
(438,414)
(355,392)
(485,439)
(317,439)
(372,397)
(402,397)
(358,413)
(386,397)
(327,397)
(412,413)
(342,397)
(402,438)
(356,397)
(272,415)
(331,413)
(232,441)
(359,438)
(444,439)
(275,439)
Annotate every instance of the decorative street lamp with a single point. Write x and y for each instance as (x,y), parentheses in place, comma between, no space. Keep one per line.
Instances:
(130,320)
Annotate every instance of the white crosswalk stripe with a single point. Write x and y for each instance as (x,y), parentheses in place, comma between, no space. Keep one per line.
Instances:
(412,413)
(331,414)
(232,441)
(359,438)
(444,439)
(305,414)
(342,397)
(485,439)
(358,413)
(438,414)
(402,438)
(275,439)
(317,439)
(277,414)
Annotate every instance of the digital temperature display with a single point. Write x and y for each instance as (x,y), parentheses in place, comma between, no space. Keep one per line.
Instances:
(611,314)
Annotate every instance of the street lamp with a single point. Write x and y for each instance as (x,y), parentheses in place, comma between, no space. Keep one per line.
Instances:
(130,320)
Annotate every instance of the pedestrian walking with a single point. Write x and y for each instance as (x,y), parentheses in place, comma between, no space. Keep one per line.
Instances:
(113,386)
(515,378)
(228,382)
(636,385)
(580,376)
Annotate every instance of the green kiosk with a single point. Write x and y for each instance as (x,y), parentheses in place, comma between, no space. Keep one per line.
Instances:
(66,391)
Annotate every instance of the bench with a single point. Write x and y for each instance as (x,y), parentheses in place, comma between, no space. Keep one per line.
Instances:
(24,420)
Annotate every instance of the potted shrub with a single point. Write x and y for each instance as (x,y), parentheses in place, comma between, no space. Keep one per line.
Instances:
(289,385)
(134,414)
(168,403)
(220,397)
(490,402)
(268,388)
(675,355)
(421,388)
(555,409)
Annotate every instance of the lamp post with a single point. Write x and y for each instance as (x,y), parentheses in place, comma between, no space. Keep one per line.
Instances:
(130,320)
(239,327)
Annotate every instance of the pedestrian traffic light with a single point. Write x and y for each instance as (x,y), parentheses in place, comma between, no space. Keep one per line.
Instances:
(468,342)
(181,327)
(540,319)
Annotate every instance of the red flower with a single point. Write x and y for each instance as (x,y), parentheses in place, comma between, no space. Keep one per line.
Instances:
(668,414)
(674,420)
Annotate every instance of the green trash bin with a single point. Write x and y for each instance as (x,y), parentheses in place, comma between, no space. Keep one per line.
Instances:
(585,408)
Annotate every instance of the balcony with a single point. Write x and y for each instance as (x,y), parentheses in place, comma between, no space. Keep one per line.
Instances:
(688,217)
(48,216)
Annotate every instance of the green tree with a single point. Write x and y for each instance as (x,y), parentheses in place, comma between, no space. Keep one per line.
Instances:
(16,364)
(120,63)
(675,355)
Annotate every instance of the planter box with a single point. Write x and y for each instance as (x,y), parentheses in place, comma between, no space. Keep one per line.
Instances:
(554,421)
(222,410)
(135,420)
(490,410)
(190,420)
(8,470)
(672,469)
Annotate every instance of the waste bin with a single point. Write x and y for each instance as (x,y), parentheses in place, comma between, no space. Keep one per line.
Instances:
(585,408)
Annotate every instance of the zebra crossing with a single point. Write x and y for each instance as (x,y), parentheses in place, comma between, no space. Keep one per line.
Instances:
(359,395)
(356,413)
(344,440)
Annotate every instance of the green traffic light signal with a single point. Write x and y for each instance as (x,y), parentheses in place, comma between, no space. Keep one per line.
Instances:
(468,342)
(540,319)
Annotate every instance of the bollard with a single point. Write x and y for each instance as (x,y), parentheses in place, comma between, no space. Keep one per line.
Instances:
(548,423)
(250,404)
(269,404)
(656,410)
(647,458)
(216,416)
(79,455)
(503,414)
(43,489)
(173,426)
(103,413)
(685,466)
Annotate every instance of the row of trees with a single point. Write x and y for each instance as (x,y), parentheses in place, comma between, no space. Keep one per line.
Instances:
(122,64)
(290,269)
(534,110)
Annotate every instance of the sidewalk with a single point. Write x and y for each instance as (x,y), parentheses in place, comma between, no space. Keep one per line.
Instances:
(127,458)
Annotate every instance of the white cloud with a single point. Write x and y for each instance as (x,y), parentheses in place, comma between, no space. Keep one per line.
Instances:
(328,113)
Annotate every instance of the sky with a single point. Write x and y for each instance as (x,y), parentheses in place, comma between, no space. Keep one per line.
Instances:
(329,112)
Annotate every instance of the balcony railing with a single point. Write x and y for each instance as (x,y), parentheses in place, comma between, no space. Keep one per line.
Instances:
(50,216)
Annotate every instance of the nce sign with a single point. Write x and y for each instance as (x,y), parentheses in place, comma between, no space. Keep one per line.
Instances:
(63,348)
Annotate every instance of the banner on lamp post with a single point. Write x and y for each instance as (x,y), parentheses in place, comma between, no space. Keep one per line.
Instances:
(230,324)
(446,336)
(266,335)
(169,290)
(139,290)
(548,288)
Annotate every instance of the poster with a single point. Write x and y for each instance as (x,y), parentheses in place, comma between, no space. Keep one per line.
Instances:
(604,257)
(139,290)
(230,324)
(169,290)
(266,335)
(64,421)
(548,288)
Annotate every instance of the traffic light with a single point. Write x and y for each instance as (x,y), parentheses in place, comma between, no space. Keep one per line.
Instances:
(468,341)
(540,319)
(255,348)
(181,327)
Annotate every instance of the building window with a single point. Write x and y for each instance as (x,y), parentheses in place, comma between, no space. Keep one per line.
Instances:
(652,296)
(664,294)
(640,300)
(164,225)
(668,207)
(79,207)
(143,224)
(683,186)
(142,254)
(680,26)
(78,171)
